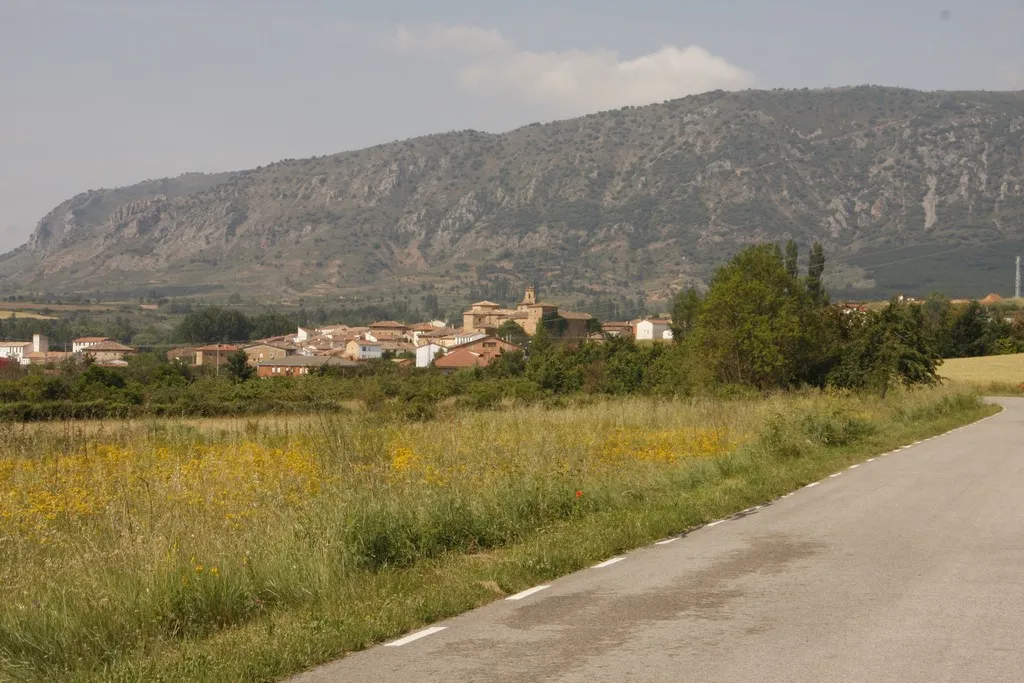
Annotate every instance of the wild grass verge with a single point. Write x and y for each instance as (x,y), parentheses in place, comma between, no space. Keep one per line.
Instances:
(156,551)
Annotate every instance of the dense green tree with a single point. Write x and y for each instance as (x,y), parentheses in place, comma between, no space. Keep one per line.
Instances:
(751,328)
(540,343)
(968,333)
(685,311)
(508,364)
(792,259)
(513,332)
(270,324)
(891,349)
(815,268)
(239,368)
(214,325)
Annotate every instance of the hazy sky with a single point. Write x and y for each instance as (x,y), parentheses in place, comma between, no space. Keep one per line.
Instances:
(100,93)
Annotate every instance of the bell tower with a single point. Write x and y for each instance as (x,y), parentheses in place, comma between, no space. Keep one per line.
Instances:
(531,296)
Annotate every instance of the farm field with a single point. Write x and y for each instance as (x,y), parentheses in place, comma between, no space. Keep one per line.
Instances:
(4,314)
(987,370)
(248,550)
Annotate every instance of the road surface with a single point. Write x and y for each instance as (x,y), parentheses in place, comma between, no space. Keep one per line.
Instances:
(906,568)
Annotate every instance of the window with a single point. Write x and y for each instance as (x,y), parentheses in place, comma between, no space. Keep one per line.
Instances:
(490,345)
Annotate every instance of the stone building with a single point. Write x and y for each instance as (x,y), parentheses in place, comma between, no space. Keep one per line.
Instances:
(484,317)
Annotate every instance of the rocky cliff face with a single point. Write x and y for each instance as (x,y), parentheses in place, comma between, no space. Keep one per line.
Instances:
(650,197)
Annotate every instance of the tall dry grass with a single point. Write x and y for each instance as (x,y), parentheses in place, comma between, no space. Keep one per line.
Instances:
(129,540)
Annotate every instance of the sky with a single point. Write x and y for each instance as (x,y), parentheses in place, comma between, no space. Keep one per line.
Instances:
(103,93)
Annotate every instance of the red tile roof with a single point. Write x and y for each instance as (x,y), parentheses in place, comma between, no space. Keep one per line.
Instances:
(461,358)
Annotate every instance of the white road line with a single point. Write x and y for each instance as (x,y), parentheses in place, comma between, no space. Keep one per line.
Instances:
(608,563)
(833,476)
(853,467)
(715,523)
(667,541)
(871,459)
(415,636)
(814,484)
(527,593)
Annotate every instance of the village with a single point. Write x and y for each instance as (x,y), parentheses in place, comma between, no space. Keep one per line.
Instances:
(435,343)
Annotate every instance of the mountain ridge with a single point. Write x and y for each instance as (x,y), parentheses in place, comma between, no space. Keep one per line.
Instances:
(637,199)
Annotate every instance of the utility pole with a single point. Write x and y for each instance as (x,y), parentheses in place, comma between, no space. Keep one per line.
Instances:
(1016,288)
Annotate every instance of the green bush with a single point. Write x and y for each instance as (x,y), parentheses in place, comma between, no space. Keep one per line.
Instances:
(835,425)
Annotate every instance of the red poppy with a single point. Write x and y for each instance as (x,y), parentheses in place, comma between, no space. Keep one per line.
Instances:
(579,493)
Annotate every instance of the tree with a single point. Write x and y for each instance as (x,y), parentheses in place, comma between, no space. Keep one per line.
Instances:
(968,332)
(540,343)
(792,257)
(508,364)
(238,366)
(270,324)
(815,268)
(685,309)
(512,332)
(751,328)
(214,325)
(892,349)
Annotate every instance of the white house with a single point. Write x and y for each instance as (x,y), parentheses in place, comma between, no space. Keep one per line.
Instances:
(82,343)
(18,350)
(654,329)
(15,350)
(426,354)
(304,335)
(361,349)
(467,337)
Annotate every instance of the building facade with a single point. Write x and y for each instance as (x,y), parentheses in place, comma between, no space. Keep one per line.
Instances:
(296,366)
(428,353)
(657,329)
(263,351)
(361,349)
(485,317)
(109,352)
(214,354)
(82,343)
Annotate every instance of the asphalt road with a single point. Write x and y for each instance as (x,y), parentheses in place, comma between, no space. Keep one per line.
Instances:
(906,568)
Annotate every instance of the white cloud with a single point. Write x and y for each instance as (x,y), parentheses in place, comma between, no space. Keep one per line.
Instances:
(573,81)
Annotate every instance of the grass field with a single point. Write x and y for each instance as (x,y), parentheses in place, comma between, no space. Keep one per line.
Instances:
(986,370)
(249,550)
(24,314)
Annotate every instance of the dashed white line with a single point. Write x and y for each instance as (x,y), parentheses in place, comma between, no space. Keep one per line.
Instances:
(715,523)
(608,563)
(415,636)
(833,476)
(527,593)
(667,541)
(853,467)
(871,459)
(814,484)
